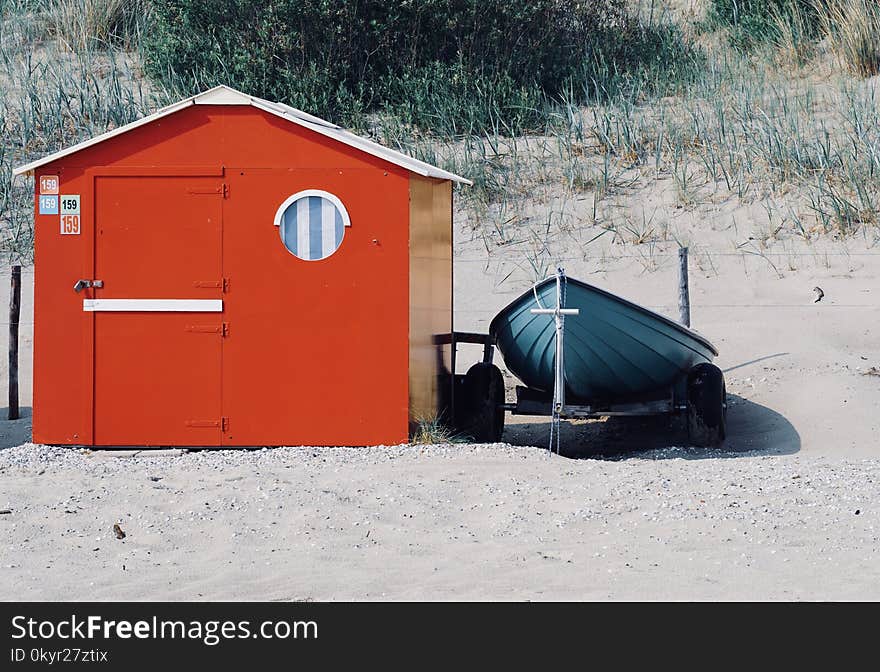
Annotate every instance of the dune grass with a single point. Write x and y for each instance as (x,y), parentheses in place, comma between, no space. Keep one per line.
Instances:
(57,91)
(715,121)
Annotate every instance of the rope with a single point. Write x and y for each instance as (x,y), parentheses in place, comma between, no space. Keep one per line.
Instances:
(554,427)
(648,255)
(555,413)
(535,292)
(557,419)
(811,306)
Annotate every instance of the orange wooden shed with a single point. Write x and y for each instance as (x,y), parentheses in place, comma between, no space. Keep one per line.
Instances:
(231,271)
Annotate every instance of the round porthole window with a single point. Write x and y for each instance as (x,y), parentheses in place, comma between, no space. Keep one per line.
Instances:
(312,224)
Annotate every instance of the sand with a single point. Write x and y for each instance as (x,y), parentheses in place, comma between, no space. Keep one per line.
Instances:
(442,522)
(787,510)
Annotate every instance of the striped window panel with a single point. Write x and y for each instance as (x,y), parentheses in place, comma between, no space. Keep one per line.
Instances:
(312,225)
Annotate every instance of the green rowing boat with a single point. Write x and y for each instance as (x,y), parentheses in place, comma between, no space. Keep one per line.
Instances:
(614,349)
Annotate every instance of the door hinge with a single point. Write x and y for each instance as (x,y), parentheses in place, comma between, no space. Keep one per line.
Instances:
(225,190)
(208,191)
(210,284)
(222,329)
(204,423)
(204,329)
(222,424)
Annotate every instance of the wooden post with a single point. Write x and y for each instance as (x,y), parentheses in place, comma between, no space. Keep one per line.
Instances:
(14,311)
(684,300)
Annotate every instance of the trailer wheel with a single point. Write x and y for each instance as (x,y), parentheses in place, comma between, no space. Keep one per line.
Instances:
(707,406)
(483,393)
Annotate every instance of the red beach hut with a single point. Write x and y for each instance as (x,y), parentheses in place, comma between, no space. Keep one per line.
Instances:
(231,271)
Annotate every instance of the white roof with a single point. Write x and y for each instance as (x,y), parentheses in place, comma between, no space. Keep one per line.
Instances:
(224,95)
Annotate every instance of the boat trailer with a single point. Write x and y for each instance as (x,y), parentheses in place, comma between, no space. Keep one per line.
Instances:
(478,398)
(530,402)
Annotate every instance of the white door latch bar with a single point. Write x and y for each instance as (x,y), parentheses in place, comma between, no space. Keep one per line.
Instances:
(153,305)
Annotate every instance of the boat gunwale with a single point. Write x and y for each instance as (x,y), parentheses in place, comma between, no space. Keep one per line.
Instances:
(611,295)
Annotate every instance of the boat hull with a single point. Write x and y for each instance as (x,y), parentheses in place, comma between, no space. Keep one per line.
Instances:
(614,349)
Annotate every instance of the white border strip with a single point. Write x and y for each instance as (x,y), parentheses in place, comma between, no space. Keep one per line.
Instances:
(153,305)
(346,220)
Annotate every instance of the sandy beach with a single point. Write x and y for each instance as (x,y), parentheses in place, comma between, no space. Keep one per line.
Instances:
(787,510)
(437,523)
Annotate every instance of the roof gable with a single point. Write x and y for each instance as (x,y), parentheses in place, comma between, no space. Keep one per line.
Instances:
(224,95)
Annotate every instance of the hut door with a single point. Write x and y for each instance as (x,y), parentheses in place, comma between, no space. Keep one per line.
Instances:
(158,321)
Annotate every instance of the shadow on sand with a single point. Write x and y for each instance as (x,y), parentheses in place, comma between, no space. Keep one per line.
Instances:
(15,432)
(751,429)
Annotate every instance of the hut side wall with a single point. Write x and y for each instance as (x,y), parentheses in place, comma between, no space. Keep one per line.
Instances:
(430,287)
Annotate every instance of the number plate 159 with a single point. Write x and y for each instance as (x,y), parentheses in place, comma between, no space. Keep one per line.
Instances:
(70,225)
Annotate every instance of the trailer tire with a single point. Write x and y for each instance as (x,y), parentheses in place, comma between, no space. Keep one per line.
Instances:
(482,411)
(706,406)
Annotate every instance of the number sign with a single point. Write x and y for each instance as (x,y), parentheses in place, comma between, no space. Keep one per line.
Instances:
(70,225)
(48,205)
(49,184)
(70,204)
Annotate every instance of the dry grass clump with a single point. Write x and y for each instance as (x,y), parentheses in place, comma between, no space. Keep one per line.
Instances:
(792,35)
(433,431)
(852,28)
(84,24)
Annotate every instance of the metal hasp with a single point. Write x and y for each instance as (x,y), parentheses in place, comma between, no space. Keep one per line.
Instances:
(85,284)
(558,313)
